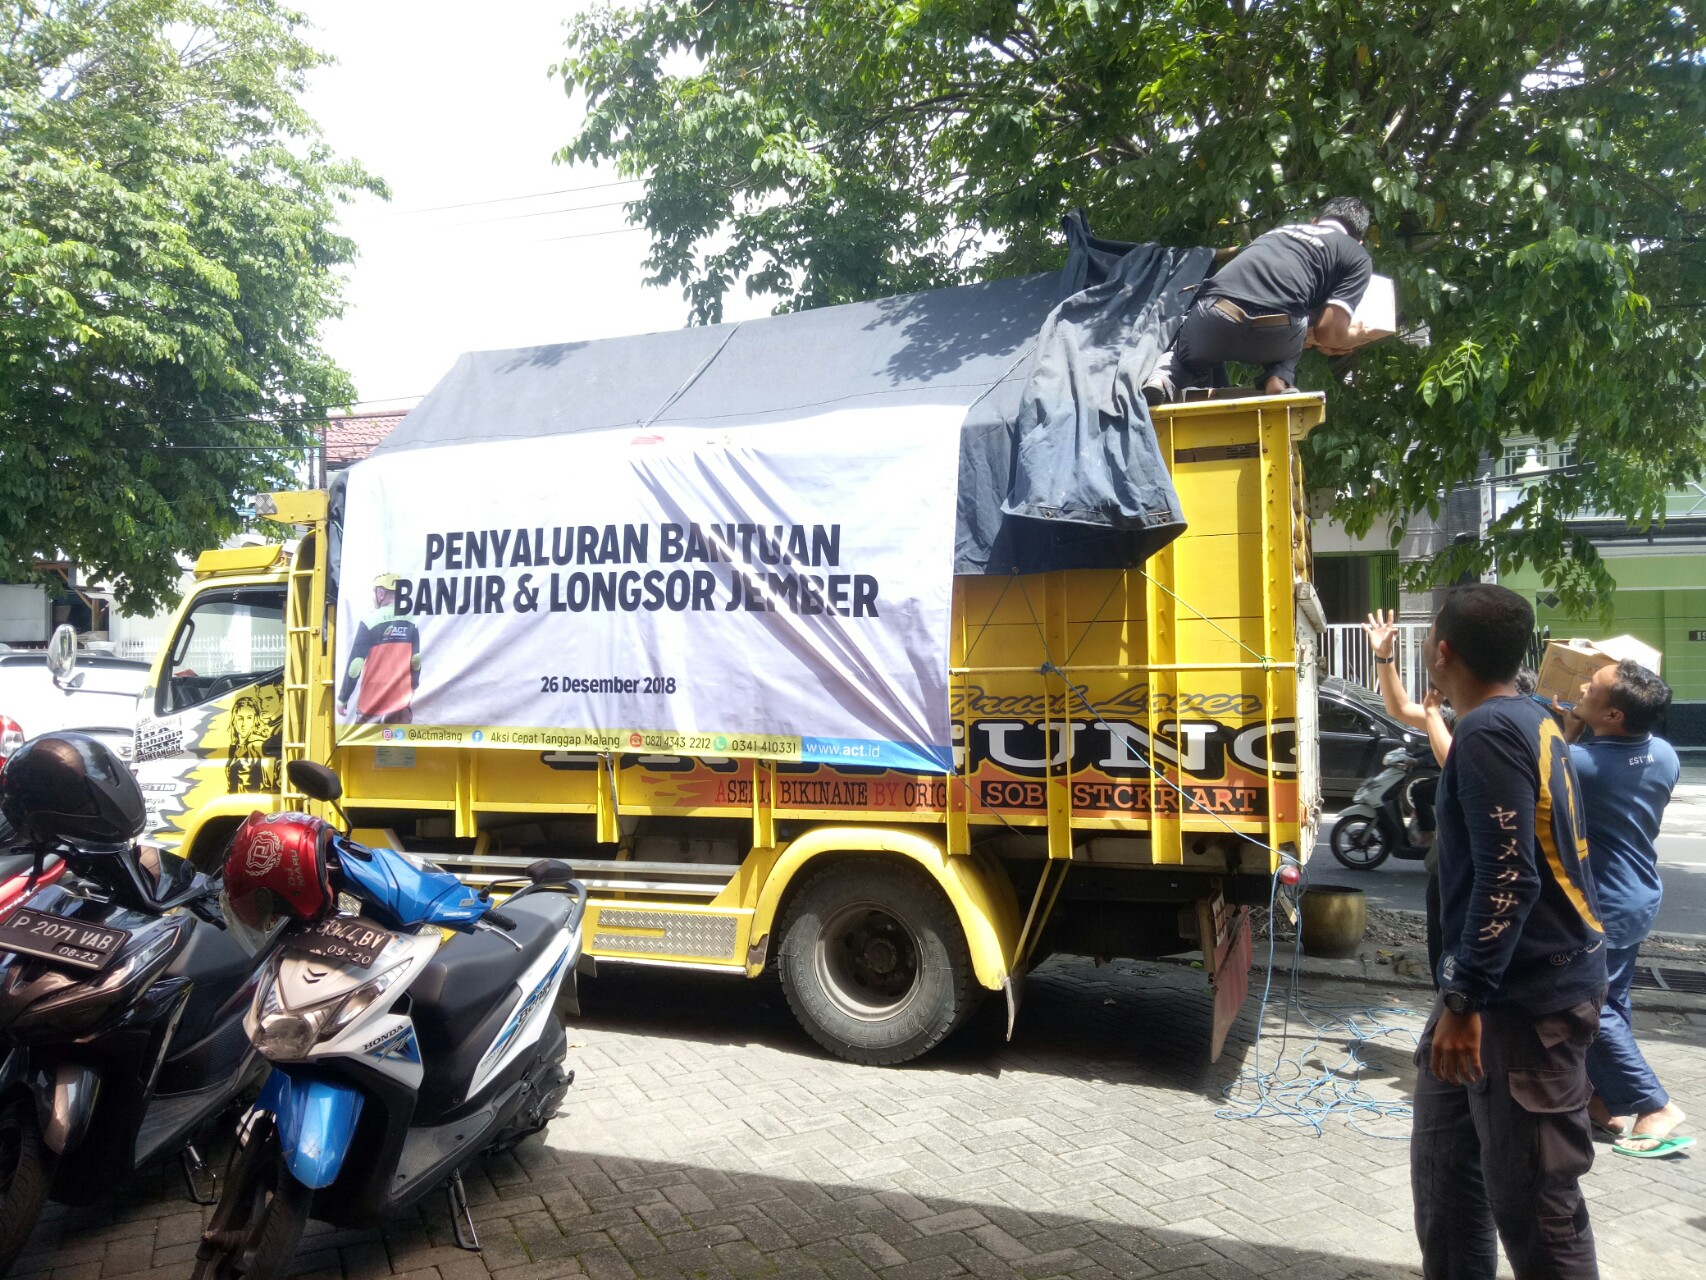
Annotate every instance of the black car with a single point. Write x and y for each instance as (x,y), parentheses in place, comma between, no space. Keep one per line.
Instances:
(1355,733)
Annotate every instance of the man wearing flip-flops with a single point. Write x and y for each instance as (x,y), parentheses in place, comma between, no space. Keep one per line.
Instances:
(1627,775)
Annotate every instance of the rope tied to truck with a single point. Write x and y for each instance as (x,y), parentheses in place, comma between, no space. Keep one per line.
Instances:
(1185,798)
(1290,1089)
(1267,660)
(1301,1086)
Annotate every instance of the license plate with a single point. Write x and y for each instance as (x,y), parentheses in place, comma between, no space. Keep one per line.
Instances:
(61,940)
(342,939)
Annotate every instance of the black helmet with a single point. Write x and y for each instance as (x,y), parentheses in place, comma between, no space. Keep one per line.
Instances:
(70,787)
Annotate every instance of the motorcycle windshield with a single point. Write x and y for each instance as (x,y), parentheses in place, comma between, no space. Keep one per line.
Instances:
(404,893)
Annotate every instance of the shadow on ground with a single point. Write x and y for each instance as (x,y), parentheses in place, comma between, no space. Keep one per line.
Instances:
(1127,1022)
(544,1213)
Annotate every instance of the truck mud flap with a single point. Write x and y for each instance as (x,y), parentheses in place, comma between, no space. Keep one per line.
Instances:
(1225,931)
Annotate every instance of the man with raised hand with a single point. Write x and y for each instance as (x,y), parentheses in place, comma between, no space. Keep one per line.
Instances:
(1627,775)
(1501,1136)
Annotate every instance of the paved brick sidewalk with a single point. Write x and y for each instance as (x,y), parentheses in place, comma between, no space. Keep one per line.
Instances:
(708,1138)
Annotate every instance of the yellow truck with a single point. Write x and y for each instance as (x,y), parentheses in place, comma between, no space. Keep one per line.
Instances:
(1132,747)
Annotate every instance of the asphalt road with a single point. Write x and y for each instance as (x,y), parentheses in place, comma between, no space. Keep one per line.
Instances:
(1402,886)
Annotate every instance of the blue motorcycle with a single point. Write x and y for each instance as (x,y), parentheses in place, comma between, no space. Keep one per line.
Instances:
(408,1037)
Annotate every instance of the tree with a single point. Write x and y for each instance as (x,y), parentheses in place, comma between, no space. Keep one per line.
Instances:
(1535,169)
(167,256)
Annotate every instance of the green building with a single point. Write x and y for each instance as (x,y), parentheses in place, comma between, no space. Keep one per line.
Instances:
(1660,575)
(1660,599)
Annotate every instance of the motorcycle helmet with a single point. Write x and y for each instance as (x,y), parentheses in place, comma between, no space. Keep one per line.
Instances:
(69,788)
(277,871)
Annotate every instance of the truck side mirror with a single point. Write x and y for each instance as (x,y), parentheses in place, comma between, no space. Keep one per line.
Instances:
(62,654)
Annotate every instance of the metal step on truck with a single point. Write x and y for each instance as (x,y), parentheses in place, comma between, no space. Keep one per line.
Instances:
(894,646)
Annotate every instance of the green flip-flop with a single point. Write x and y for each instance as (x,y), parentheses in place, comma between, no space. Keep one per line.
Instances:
(1670,1144)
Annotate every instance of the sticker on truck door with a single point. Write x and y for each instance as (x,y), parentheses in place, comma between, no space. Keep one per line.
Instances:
(214,724)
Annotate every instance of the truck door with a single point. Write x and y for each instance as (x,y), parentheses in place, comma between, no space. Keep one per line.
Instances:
(212,725)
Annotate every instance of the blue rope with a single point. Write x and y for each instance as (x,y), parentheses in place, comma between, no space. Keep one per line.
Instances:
(1290,1089)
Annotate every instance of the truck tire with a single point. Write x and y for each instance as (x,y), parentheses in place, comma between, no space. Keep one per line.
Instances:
(26,1171)
(873,961)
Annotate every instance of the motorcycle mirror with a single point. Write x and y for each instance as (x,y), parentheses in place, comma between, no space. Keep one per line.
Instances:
(62,653)
(315,781)
(550,871)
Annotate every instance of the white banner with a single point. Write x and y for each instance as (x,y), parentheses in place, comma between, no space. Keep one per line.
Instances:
(779,590)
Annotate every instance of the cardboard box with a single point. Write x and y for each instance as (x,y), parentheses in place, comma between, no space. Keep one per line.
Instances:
(1377,313)
(1569,664)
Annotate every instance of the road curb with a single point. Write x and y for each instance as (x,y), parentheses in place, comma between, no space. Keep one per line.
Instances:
(1370,969)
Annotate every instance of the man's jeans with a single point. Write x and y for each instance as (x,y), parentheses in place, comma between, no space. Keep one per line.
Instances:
(1616,1065)
(1209,337)
(1507,1153)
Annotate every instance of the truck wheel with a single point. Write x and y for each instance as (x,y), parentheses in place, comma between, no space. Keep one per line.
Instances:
(874,963)
(1358,844)
(26,1170)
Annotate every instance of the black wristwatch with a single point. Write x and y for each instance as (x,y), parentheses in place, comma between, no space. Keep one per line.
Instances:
(1461,1004)
(1385,662)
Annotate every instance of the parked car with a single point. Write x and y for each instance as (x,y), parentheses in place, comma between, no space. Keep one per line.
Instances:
(97,698)
(1356,733)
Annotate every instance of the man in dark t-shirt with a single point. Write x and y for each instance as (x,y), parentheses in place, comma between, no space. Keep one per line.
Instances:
(1261,307)
(1501,1138)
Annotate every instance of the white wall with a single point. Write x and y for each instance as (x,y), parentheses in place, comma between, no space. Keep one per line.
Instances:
(25,616)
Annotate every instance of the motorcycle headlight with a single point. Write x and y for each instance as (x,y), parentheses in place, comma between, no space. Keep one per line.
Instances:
(132,973)
(1396,757)
(283,1034)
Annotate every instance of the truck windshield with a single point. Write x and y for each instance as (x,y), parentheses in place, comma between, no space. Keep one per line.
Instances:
(228,641)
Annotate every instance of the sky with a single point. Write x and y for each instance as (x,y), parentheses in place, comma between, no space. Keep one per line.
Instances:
(451,106)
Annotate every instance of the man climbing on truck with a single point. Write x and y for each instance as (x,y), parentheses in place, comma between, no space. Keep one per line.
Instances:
(385,660)
(1291,286)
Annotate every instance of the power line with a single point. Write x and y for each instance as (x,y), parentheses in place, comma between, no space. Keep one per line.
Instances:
(538,213)
(212,448)
(296,416)
(584,235)
(533,195)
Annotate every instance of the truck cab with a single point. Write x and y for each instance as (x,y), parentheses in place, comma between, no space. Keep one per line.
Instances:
(209,732)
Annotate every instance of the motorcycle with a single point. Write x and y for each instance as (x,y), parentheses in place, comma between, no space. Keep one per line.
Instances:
(412,1028)
(1381,820)
(121,993)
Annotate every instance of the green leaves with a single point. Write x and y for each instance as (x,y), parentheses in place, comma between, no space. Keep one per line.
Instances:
(166,259)
(1535,169)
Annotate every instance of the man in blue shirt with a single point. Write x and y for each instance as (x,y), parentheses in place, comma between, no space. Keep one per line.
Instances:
(1627,776)
(1501,1137)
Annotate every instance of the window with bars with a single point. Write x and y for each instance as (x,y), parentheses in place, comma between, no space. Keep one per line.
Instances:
(1527,457)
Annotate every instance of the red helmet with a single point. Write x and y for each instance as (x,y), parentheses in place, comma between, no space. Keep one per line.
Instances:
(277,870)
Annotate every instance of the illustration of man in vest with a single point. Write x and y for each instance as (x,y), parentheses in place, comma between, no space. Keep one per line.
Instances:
(385,660)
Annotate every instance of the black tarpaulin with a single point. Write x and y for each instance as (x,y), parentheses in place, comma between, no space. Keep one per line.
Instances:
(1058,462)
(1086,463)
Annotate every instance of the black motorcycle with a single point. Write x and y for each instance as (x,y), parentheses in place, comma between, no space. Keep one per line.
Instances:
(122,993)
(1391,815)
